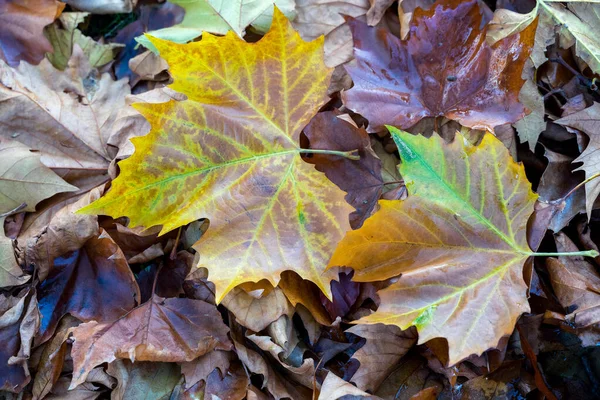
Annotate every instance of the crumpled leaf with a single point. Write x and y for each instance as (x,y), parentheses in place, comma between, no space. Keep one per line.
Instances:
(76,280)
(588,121)
(279,386)
(169,330)
(257,313)
(532,125)
(66,116)
(213,16)
(361,179)
(63,39)
(237,159)
(19,321)
(57,231)
(334,388)
(385,346)
(22,24)
(576,284)
(434,74)
(325,17)
(24,179)
(459,241)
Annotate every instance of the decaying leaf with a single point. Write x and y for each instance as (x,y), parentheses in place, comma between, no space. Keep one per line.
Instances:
(257,313)
(588,121)
(169,330)
(230,153)
(459,241)
(432,74)
(21,29)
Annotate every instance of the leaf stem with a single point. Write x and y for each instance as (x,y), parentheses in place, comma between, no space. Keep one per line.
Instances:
(346,154)
(586,253)
(580,185)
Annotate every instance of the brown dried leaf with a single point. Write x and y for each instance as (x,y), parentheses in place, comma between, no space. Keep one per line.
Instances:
(22,29)
(385,346)
(257,313)
(434,74)
(169,330)
(93,283)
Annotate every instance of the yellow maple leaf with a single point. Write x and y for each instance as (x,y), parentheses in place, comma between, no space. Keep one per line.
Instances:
(230,153)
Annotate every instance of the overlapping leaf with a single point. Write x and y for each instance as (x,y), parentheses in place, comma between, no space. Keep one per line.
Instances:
(459,242)
(230,153)
(433,73)
(21,29)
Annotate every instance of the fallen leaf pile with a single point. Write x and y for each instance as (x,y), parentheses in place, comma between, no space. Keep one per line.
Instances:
(299,199)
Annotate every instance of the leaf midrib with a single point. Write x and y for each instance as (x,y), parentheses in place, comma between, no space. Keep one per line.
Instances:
(454,194)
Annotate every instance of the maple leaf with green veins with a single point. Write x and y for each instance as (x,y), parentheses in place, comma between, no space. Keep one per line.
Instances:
(230,153)
(458,240)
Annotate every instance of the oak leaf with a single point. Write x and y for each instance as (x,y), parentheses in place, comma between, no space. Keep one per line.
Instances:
(459,241)
(432,74)
(588,121)
(21,29)
(230,153)
(169,330)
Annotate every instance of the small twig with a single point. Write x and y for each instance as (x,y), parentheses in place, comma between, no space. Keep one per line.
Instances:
(587,82)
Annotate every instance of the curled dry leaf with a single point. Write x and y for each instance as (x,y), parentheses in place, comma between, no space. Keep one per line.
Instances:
(57,232)
(459,241)
(76,279)
(433,74)
(334,388)
(231,154)
(21,29)
(277,385)
(257,314)
(385,346)
(169,330)
(325,17)
(19,321)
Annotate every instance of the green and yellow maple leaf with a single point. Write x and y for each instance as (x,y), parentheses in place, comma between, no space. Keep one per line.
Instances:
(458,240)
(230,153)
